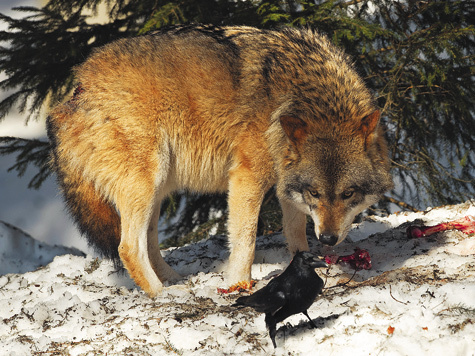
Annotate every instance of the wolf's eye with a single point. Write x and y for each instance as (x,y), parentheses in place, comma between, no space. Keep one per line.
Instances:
(314,193)
(347,194)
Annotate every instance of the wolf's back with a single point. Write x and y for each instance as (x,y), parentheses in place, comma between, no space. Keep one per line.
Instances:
(96,218)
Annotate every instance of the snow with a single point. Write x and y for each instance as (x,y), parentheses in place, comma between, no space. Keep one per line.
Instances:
(20,253)
(418,299)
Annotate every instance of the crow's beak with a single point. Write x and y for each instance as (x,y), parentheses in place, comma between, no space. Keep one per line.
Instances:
(317,263)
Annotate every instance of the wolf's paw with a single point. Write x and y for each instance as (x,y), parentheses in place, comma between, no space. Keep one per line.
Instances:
(172,277)
(168,275)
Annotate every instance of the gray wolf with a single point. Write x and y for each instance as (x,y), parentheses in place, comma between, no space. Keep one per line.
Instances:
(216,109)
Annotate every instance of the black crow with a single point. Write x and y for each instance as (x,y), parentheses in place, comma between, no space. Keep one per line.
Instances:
(290,293)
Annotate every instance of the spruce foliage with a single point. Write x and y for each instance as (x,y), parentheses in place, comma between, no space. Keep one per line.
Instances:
(417,57)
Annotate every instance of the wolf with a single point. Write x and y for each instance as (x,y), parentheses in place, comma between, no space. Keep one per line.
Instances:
(202,108)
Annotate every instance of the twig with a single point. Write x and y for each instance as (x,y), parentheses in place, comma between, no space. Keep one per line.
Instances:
(401,204)
(391,294)
(340,284)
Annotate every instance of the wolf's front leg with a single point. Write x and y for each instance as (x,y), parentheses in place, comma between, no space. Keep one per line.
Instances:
(294,224)
(244,200)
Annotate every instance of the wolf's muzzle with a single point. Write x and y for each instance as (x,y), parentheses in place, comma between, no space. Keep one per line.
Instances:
(329,240)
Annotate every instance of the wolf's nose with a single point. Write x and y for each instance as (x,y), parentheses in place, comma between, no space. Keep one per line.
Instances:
(329,240)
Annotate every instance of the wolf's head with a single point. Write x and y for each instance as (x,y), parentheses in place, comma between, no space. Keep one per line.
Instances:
(332,171)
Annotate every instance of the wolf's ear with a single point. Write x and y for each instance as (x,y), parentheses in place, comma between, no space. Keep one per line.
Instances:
(368,126)
(295,128)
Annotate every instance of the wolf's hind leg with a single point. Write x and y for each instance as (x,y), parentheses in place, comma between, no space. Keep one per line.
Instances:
(294,224)
(133,248)
(161,268)
(139,249)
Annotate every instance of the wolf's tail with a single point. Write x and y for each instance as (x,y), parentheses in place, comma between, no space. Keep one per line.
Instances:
(95,217)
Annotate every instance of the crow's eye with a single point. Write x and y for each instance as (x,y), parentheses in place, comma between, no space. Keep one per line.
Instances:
(347,194)
(314,193)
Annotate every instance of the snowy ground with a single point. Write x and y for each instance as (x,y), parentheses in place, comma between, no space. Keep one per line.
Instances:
(418,299)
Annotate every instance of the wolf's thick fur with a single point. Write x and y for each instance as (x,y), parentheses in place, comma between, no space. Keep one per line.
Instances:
(208,109)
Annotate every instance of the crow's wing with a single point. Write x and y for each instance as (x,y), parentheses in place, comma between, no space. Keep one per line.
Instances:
(264,301)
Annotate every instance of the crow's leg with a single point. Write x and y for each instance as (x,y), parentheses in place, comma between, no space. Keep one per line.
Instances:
(311,321)
(271,326)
